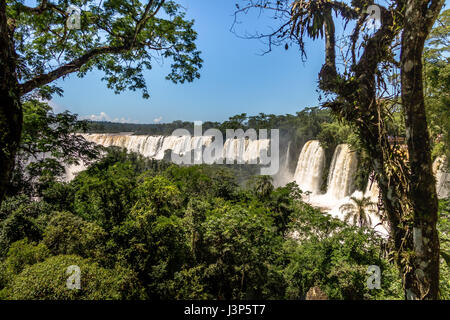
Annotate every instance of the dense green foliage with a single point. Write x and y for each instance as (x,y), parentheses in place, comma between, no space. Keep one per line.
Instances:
(122,39)
(47,280)
(437,84)
(444,236)
(144,229)
(150,229)
(141,228)
(47,146)
(169,232)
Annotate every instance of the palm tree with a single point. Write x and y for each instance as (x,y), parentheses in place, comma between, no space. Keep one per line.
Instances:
(263,186)
(359,210)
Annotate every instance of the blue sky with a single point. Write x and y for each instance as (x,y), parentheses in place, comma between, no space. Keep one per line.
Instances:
(235,77)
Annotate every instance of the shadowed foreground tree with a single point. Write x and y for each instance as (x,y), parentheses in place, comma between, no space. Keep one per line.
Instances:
(363,89)
(121,38)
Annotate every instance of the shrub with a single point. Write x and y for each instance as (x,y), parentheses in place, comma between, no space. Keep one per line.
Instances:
(47,280)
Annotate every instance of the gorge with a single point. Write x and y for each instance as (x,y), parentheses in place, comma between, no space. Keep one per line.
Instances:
(309,170)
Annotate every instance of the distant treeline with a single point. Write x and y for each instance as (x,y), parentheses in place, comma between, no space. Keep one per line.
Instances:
(310,117)
(295,130)
(312,123)
(164,129)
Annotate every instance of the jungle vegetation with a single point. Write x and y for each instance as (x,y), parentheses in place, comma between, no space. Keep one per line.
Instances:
(146,229)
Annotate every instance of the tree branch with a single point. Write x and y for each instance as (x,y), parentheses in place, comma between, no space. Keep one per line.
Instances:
(376,47)
(433,11)
(145,16)
(70,67)
(328,73)
(76,64)
(44,6)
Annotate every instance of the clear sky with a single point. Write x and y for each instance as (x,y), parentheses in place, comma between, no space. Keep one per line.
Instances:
(235,77)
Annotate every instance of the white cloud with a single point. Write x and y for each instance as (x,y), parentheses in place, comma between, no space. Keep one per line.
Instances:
(97,117)
(56,107)
(103,116)
(123,120)
(158,120)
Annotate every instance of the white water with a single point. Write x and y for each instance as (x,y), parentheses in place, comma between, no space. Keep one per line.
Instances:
(340,183)
(73,170)
(150,146)
(288,152)
(284,175)
(342,170)
(245,150)
(442,177)
(308,174)
(372,191)
(336,212)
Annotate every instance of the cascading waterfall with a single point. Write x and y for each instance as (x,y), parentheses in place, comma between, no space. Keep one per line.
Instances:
(342,170)
(308,174)
(73,170)
(156,146)
(372,191)
(442,177)
(150,146)
(231,149)
(442,181)
(244,150)
(284,174)
(287,158)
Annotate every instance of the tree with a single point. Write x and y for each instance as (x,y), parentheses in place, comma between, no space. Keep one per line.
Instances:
(364,90)
(243,251)
(21,254)
(48,143)
(338,265)
(155,239)
(437,84)
(359,210)
(69,234)
(21,217)
(105,196)
(47,280)
(120,38)
(262,186)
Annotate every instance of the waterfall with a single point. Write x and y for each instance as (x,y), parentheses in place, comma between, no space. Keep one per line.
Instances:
(231,149)
(372,191)
(253,149)
(442,181)
(151,146)
(244,150)
(156,146)
(241,150)
(442,177)
(308,174)
(342,170)
(73,170)
(287,158)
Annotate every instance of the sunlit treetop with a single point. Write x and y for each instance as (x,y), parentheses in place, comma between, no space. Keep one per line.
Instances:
(122,38)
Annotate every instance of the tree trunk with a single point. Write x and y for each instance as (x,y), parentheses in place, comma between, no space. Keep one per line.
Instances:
(423,283)
(10,107)
(408,189)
